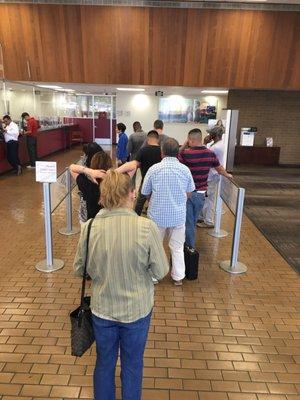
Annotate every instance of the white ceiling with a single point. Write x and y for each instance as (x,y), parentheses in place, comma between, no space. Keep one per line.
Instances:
(107,89)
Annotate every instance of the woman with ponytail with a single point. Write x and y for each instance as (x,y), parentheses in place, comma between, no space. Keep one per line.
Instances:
(125,252)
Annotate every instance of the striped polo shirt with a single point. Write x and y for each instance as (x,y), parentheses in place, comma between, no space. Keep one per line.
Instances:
(200,160)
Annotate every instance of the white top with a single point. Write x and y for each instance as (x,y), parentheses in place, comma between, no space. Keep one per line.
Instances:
(11,132)
(218,149)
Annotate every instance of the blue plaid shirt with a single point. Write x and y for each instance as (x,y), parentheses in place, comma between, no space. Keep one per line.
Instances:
(168,182)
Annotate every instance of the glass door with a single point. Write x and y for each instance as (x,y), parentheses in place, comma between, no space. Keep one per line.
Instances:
(103,118)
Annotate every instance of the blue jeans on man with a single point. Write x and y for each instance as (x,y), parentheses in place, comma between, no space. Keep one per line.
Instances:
(194,206)
(131,339)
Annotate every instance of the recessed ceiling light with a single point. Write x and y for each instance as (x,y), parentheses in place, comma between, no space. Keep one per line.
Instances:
(131,89)
(50,87)
(67,90)
(214,91)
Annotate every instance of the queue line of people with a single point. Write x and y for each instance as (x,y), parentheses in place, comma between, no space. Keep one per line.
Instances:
(126,253)
(163,190)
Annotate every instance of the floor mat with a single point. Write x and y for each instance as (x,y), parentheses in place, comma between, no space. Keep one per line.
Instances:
(273,204)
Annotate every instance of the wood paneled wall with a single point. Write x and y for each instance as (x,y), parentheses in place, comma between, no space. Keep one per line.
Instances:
(151,46)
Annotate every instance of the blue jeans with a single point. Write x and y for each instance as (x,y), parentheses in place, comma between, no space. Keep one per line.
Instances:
(131,339)
(194,206)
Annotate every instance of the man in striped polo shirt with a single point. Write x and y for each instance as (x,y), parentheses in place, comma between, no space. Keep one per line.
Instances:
(199,159)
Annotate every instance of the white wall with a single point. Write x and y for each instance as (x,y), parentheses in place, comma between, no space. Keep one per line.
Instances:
(144,108)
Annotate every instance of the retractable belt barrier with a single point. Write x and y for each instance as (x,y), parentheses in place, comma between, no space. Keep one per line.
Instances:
(218,232)
(55,191)
(233,196)
(69,184)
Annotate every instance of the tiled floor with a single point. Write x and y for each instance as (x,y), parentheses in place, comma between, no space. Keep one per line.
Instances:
(222,337)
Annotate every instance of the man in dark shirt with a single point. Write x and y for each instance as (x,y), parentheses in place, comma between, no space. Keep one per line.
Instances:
(199,159)
(136,140)
(146,157)
(158,126)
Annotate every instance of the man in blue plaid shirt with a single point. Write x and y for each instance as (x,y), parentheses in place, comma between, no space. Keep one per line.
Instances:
(169,183)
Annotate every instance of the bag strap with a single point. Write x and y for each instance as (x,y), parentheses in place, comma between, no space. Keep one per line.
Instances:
(86,261)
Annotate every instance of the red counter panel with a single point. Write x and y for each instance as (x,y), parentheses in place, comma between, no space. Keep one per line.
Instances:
(51,142)
(48,142)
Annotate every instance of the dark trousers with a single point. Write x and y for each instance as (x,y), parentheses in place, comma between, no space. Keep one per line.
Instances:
(12,153)
(140,201)
(32,151)
(128,338)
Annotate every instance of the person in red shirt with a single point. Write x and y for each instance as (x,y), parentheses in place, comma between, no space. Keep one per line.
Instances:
(32,126)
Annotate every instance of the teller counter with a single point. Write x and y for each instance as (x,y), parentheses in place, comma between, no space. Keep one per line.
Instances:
(49,140)
(254,155)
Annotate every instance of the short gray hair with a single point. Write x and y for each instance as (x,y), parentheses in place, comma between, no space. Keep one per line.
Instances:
(170,147)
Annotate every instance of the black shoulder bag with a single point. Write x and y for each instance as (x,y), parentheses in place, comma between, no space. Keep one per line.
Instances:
(82,334)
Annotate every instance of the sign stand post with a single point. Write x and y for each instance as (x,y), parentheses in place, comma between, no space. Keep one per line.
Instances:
(233,266)
(46,173)
(69,230)
(218,232)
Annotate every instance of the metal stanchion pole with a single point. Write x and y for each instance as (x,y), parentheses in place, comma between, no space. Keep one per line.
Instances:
(69,230)
(50,264)
(218,232)
(233,265)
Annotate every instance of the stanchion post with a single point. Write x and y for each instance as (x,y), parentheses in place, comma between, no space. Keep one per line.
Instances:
(50,264)
(48,223)
(233,265)
(218,232)
(69,230)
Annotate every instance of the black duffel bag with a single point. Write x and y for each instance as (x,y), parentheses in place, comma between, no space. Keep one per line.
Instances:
(191,260)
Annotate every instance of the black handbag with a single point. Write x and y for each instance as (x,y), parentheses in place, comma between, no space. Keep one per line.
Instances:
(82,334)
(191,260)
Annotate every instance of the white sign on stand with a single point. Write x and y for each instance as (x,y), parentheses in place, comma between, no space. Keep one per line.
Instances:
(46,171)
